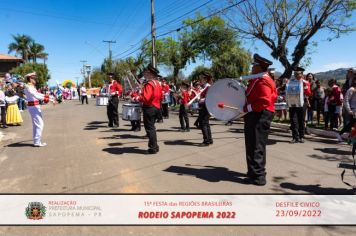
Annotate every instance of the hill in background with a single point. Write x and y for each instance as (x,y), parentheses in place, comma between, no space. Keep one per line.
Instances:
(338,74)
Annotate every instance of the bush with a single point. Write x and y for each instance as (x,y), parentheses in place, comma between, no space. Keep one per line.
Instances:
(40,69)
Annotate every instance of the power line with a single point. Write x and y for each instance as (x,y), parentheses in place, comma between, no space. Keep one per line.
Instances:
(193,10)
(187,13)
(199,20)
(69,18)
(183,27)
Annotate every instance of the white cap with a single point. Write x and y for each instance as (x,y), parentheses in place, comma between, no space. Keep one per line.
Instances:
(30,74)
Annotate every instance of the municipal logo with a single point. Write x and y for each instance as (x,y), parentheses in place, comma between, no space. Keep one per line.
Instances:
(35,211)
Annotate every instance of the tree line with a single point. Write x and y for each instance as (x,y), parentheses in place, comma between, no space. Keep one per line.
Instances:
(286,27)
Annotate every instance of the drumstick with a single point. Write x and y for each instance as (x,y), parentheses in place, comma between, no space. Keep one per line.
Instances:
(222,105)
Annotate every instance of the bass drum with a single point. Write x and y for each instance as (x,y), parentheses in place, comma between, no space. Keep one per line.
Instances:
(131,111)
(228,92)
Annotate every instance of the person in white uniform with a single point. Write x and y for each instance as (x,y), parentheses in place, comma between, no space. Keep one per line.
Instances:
(33,103)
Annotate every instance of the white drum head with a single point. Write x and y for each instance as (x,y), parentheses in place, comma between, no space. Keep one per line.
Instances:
(228,92)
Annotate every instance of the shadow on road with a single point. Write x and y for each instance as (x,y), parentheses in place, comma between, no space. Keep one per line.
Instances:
(96,125)
(115,130)
(316,189)
(272,141)
(128,150)
(20,144)
(181,142)
(208,173)
(236,130)
(334,151)
(331,158)
(322,140)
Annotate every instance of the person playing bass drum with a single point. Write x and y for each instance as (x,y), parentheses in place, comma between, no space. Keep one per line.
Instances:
(261,95)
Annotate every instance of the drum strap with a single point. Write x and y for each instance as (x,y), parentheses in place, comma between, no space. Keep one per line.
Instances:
(252,86)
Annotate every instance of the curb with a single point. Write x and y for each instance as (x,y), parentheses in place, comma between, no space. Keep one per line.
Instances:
(318,132)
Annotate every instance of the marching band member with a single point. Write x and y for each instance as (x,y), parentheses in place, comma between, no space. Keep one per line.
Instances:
(203,111)
(261,95)
(114,90)
(151,98)
(183,99)
(166,94)
(135,124)
(194,91)
(160,114)
(297,112)
(33,103)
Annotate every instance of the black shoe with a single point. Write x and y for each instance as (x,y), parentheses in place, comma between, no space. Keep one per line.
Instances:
(151,151)
(301,140)
(259,181)
(211,141)
(294,141)
(181,130)
(159,121)
(137,130)
(110,125)
(187,130)
(204,144)
(4,126)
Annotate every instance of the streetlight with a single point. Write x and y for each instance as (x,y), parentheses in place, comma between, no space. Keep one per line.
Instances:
(88,70)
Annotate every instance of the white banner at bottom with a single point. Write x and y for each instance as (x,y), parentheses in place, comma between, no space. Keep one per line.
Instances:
(178,209)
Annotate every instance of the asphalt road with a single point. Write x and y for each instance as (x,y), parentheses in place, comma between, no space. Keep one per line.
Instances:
(85,156)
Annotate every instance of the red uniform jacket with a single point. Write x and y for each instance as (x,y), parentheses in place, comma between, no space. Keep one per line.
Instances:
(307,89)
(165,88)
(185,98)
(151,94)
(115,88)
(261,94)
(204,93)
(335,97)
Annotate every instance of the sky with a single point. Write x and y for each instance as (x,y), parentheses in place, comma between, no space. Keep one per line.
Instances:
(73,31)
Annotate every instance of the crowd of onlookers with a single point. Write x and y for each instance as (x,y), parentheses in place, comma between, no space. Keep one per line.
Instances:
(334,103)
(13,100)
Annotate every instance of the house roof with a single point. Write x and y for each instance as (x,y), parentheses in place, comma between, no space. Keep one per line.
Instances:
(5,57)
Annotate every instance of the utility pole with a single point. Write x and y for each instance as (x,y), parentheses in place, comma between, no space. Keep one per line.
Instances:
(82,70)
(109,42)
(153,32)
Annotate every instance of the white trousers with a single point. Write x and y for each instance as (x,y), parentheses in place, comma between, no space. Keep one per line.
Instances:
(37,123)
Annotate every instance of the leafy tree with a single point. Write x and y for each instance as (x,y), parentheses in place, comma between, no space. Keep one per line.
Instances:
(231,63)
(21,45)
(207,39)
(195,75)
(97,79)
(288,26)
(40,69)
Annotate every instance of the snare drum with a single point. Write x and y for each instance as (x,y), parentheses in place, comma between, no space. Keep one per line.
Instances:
(295,93)
(131,111)
(166,98)
(102,101)
(280,106)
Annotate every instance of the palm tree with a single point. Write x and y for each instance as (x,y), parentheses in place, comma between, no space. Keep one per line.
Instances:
(44,56)
(36,51)
(21,45)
